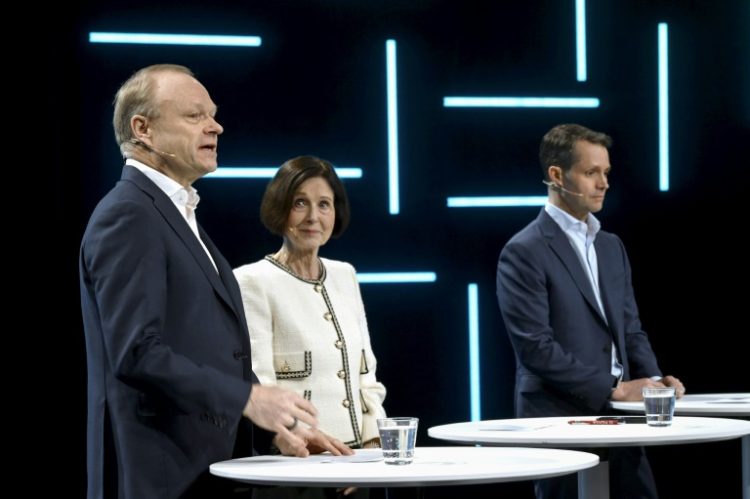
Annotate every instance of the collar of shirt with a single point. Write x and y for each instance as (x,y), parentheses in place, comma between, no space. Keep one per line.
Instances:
(572,226)
(181,196)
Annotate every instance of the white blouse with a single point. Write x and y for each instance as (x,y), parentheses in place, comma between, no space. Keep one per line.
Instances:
(311,336)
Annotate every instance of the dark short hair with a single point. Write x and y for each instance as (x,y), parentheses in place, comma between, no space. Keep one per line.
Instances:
(279,195)
(558,145)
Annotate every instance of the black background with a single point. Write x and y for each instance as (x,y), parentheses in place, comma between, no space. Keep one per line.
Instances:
(317,86)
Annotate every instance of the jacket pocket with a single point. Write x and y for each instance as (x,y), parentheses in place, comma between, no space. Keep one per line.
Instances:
(363,367)
(293,365)
(365,409)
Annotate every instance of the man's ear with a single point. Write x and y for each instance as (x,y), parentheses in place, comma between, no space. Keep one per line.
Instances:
(140,127)
(554,173)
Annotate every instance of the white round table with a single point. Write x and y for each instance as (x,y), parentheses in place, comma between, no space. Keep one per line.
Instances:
(700,404)
(431,466)
(556,432)
(709,404)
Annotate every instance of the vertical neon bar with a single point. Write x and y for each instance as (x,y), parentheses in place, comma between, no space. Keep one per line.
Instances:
(581,40)
(390,63)
(474,386)
(663,108)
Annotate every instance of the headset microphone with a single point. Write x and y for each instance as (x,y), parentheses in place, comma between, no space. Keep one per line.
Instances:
(157,151)
(561,188)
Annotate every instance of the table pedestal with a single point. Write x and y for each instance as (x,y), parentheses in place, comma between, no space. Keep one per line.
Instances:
(593,483)
(746,467)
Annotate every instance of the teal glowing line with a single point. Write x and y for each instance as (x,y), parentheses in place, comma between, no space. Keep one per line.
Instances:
(581,40)
(495,201)
(663,108)
(169,39)
(268,172)
(544,102)
(474,381)
(390,64)
(395,277)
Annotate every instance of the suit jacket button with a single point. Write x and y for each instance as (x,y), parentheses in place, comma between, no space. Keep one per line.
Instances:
(339,344)
(327,316)
(346,403)
(318,288)
(341,374)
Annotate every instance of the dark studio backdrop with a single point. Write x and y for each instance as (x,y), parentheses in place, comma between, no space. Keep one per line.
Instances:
(317,85)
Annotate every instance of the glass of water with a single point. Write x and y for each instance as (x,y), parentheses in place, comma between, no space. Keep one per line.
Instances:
(659,406)
(397,438)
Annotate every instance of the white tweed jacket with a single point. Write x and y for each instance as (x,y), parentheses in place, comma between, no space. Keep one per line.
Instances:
(311,336)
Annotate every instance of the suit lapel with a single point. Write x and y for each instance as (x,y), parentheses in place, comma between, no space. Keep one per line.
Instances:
(225,274)
(172,216)
(561,246)
(608,292)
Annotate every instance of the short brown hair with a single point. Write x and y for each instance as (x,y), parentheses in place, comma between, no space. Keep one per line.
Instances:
(278,198)
(558,145)
(136,96)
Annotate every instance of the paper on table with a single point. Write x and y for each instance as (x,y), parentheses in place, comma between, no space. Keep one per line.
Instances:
(732,400)
(359,456)
(512,427)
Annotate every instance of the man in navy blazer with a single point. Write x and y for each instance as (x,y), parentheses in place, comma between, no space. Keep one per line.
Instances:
(565,293)
(168,351)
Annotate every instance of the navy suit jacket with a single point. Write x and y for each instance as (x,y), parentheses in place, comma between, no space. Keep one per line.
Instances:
(561,341)
(167,345)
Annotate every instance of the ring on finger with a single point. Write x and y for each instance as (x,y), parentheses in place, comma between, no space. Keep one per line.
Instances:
(293,425)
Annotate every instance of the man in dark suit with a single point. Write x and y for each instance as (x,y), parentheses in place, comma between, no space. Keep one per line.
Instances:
(169,374)
(564,289)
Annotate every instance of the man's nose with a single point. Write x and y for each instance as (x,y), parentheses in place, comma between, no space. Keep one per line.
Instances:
(214,126)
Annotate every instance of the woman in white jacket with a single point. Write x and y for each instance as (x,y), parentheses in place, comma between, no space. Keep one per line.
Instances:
(307,324)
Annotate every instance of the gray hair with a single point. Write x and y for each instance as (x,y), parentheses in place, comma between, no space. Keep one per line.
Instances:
(136,97)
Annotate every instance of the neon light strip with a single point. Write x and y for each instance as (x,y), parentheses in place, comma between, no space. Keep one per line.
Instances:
(663,108)
(390,66)
(545,102)
(395,277)
(268,172)
(581,40)
(474,382)
(495,201)
(169,39)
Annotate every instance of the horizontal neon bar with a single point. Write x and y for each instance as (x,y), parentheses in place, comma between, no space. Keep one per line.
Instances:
(577,102)
(268,172)
(495,201)
(395,277)
(170,39)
